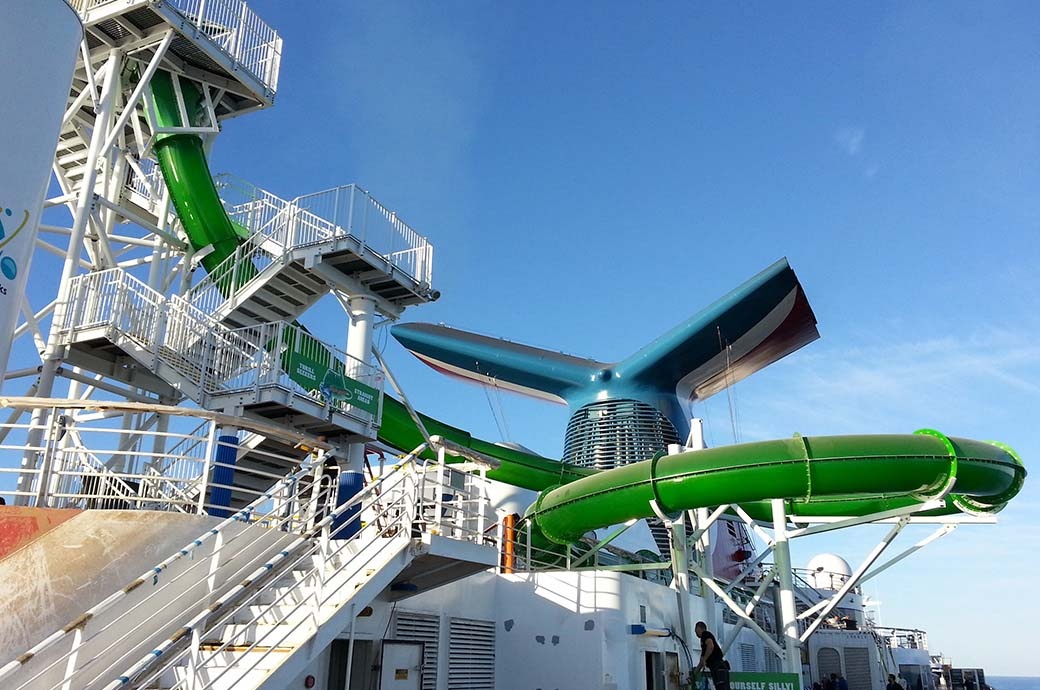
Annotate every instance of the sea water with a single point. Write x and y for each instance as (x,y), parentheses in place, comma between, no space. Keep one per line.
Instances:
(1014,682)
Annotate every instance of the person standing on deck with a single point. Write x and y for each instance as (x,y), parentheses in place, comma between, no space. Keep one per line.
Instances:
(711,657)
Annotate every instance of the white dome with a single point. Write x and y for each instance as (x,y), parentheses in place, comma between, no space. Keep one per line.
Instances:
(828,571)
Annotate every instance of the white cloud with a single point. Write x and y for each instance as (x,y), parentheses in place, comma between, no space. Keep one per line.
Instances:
(975,380)
(850,139)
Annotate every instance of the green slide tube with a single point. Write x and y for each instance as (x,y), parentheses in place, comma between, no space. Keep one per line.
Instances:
(517,468)
(185,169)
(830,475)
(824,476)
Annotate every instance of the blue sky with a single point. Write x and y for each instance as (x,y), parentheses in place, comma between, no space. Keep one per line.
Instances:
(590,177)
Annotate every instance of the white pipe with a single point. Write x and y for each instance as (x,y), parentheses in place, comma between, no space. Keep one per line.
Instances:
(52,356)
(359,345)
(792,662)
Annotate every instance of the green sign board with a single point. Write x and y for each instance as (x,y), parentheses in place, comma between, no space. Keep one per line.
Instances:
(334,386)
(765,681)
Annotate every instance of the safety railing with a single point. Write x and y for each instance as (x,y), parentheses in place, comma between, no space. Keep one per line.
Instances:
(144,178)
(175,335)
(233,274)
(531,551)
(819,579)
(277,226)
(89,460)
(174,591)
(285,223)
(354,212)
(231,25)
(239,32)
(288,357)
(350,544)
(337,549)
(904,638)
(203,349)
(115,301)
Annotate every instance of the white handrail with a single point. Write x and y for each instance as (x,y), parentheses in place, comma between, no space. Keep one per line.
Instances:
(405,514)
(211,358)
(232,26)
(187,551)
(278,226)
(301,556)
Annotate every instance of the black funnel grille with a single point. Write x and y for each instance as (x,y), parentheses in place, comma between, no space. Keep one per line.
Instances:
(609,433)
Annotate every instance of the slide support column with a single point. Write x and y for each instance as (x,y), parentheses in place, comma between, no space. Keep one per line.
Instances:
(792,662)
(359,344)
(53,352)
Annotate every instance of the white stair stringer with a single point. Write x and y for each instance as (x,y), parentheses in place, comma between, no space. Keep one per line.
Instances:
(263,635)
(268,644)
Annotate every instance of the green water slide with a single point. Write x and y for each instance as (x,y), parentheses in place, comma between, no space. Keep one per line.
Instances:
(818,476)
(821,476)
(185,169)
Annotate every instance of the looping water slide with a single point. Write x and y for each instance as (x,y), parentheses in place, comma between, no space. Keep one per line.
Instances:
(817,476)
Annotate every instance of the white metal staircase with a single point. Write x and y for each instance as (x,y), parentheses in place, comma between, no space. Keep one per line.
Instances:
(248,607)
(299,250)
(179,348)
(220,42)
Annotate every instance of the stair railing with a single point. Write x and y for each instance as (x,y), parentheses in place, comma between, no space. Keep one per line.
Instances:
(324,570)
(277,509)
(353,212)
(240,33)
(346,547)
(230,277)
(190,447)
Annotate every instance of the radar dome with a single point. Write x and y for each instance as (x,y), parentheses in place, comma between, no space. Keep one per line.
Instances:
(828,571)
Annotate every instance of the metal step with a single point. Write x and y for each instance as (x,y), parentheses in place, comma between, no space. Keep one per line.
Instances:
(281,292)
(101,356)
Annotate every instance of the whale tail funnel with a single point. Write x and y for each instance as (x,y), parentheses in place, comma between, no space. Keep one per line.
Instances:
(627,410)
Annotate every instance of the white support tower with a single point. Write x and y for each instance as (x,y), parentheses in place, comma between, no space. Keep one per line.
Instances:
(134,316)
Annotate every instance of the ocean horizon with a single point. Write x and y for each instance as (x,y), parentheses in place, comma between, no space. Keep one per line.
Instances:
(1014,682)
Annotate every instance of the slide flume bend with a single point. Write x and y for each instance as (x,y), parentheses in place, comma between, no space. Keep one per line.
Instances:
(822,476)
(819,476)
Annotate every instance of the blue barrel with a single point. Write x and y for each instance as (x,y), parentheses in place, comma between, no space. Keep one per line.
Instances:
(223,473)
(347,524)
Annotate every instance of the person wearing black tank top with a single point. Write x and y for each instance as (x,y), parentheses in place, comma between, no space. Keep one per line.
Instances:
(711,657)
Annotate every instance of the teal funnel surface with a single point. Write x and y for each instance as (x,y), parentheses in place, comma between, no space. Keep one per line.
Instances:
(759,322)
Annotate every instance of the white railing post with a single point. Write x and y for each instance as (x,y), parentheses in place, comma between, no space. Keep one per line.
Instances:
(214,563)
(530,565)
(194,659)
(70,665)
(237,50)
(47,461)
(207,467)
(200,15)
(439,492)
(500,535)
(158,321)
(481,503)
